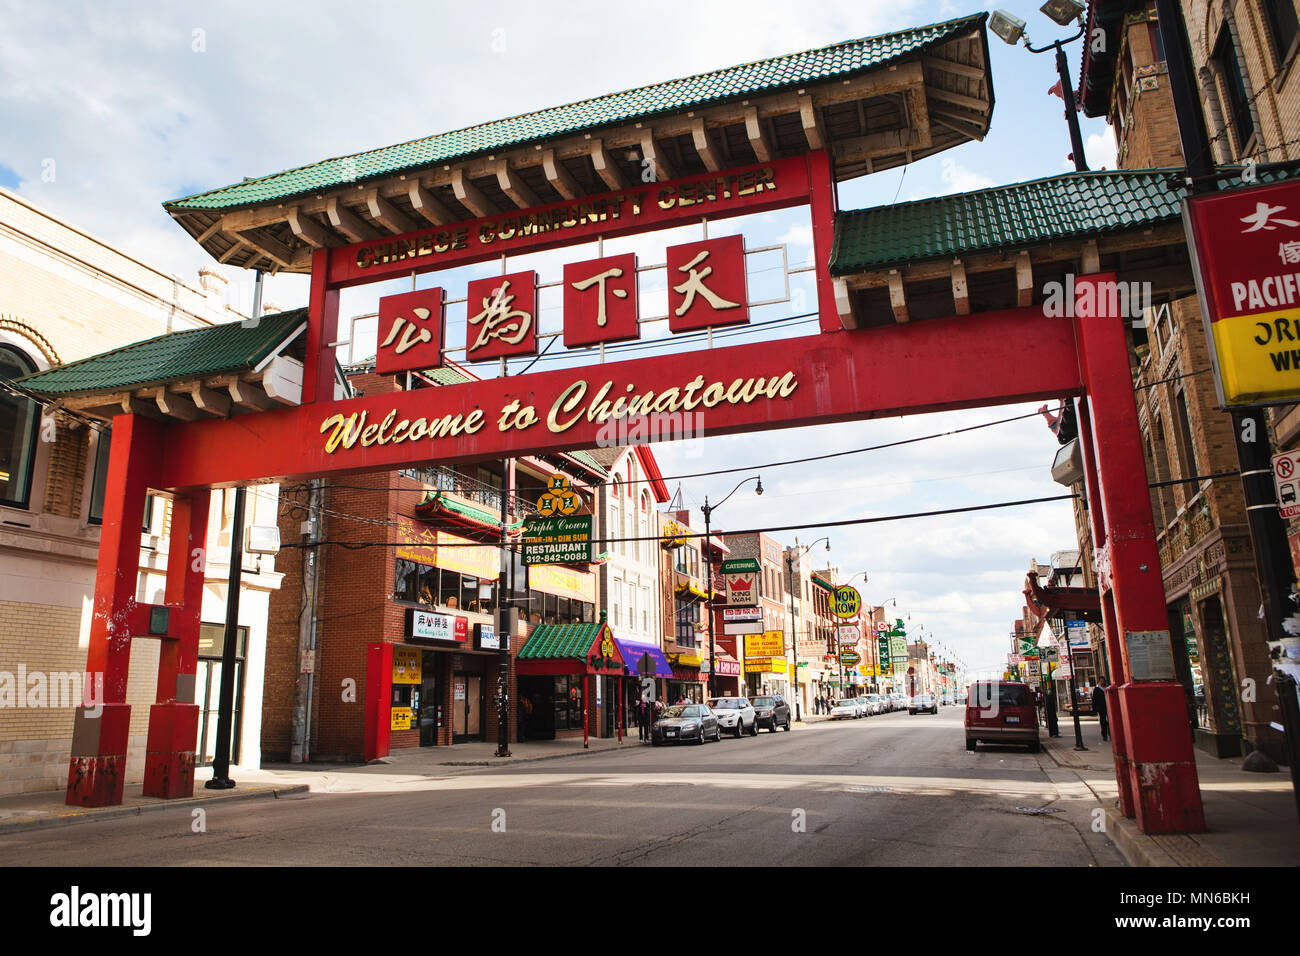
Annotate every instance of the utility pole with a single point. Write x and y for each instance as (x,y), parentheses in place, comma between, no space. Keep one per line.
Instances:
(300,746)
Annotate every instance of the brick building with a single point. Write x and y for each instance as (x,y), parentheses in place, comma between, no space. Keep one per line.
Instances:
(66,297)
(1242,53)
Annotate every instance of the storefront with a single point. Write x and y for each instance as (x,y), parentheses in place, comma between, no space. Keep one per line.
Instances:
(570,677)
(642,661)
(728,674)
(687,682)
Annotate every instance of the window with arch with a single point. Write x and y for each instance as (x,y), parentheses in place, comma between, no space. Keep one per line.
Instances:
(19,422)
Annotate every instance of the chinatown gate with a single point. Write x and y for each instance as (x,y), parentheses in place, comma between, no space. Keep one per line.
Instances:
(745,150)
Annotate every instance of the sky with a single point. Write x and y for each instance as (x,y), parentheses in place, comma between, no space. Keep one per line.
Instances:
(108,110)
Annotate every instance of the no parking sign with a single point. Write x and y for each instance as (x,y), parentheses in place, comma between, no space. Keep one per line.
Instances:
(1286,478)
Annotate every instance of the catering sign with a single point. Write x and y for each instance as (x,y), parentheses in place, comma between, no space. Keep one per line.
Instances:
(1246,245)
(742,581)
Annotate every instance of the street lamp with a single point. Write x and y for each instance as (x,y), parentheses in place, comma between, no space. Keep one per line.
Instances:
(794,621)
(1064,12)
(708,510)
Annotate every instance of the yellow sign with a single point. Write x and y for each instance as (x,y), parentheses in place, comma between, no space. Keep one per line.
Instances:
(767,644)
(776,665)
(846,603)
(402,717)
(686,660)
(559,498)
(563,582)
(406,665)
(420,543)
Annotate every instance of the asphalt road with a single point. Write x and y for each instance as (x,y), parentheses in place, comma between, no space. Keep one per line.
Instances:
(890,790)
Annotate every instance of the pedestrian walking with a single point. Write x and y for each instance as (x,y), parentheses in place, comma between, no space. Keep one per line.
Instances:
(1099,707)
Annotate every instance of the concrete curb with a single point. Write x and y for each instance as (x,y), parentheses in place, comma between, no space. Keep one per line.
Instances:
(1138,848)
(111,813)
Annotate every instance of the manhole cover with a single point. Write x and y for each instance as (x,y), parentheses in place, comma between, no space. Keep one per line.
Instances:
(1035,811)
(873,789)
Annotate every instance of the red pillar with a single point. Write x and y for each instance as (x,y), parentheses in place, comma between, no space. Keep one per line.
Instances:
(379,700)
(97,768)
(1159,762)
(174,719)
(1114,654)
(322,330)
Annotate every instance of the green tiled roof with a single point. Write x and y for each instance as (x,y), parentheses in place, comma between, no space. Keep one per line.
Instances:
(586,459)
(1002,217)
(174,357)
(446,375)
(693,92)
(1015,216)
(477,515)
(559,641)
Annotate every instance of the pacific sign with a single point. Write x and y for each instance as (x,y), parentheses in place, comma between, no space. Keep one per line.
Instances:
(1246,244)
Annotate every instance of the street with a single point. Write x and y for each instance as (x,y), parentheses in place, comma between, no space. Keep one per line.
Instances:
(889,790)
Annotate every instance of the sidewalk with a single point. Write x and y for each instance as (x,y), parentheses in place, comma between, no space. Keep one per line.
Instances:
(1251,817)
(47,808)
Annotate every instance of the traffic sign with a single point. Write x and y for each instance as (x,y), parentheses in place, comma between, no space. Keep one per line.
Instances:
(846,603)
(1287,483)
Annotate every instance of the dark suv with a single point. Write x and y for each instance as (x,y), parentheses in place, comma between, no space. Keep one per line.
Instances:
(771,712)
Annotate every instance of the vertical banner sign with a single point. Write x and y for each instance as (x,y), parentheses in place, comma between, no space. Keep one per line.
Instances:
(410,332)
(741,575)
(1246,246)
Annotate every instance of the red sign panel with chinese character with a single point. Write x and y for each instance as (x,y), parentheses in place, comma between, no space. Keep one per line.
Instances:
(600,301)
(1247,244)
(706,284)
(410,331)
(502,316)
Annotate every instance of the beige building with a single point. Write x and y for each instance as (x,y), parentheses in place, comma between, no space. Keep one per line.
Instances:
(65,296)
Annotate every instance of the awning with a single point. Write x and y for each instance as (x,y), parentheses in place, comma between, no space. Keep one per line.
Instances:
(570,649)
(632,651)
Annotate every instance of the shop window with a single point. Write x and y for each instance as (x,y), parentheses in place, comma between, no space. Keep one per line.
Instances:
(1187,447)
(19,423)
(1234,84)
(406,578)
(212,643)
(1157,42)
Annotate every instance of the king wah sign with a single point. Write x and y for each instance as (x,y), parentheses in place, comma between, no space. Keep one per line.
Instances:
(1246,246)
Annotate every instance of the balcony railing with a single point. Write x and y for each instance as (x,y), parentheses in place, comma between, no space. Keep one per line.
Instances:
(471,490)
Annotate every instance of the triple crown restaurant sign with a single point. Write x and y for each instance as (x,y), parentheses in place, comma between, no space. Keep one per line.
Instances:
(1246,245)
(558,535)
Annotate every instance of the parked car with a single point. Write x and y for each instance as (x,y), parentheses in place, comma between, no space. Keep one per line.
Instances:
(848,707)
(878,704)
(772,712)
(735,714)
(1001,712)
(685,722)
(923,704)
(899,701)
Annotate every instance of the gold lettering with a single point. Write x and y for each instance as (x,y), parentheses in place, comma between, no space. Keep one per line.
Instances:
(487,232)
(735,391)
(567,402)
(788,384)
(765,178)
(426,245)
(365,258)
(442,241)
(668,401)
(368,435)
(399,431)
(418,428)
(714,394)
(458,238)
(689,400)
(666,198)
(745,182)
(388,420)
(598,410)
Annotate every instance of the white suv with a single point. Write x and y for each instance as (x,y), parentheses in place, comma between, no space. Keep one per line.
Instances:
(735,715)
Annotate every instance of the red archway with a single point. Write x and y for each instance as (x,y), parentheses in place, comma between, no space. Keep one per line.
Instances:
(839,374)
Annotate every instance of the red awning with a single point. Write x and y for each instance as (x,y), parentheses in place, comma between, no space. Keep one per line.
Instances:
(1082,604)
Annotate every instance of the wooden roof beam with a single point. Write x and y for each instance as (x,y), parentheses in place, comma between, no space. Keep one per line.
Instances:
(393,219)
(960,290)
(952,66)
(898,297)
(171,404)
(1024,279)
(849,318)
(663,168)
(606,168)
(970,102)
(273,249)
(245,394)
(812,127)
(239,246)
(757,138)
(309,230)
(428,205)
(561,179)
(349,223)
(206,400)
(1089,258)
(704,145)
(469,195)
(513,185)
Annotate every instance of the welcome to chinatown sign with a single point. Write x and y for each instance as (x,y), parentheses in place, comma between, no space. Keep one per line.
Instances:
(1246,246)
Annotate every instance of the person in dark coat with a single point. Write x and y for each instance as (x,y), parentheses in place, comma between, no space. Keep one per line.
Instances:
(1099,708)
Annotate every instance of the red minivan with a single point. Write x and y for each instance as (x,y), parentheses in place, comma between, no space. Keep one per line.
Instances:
(1001,712)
